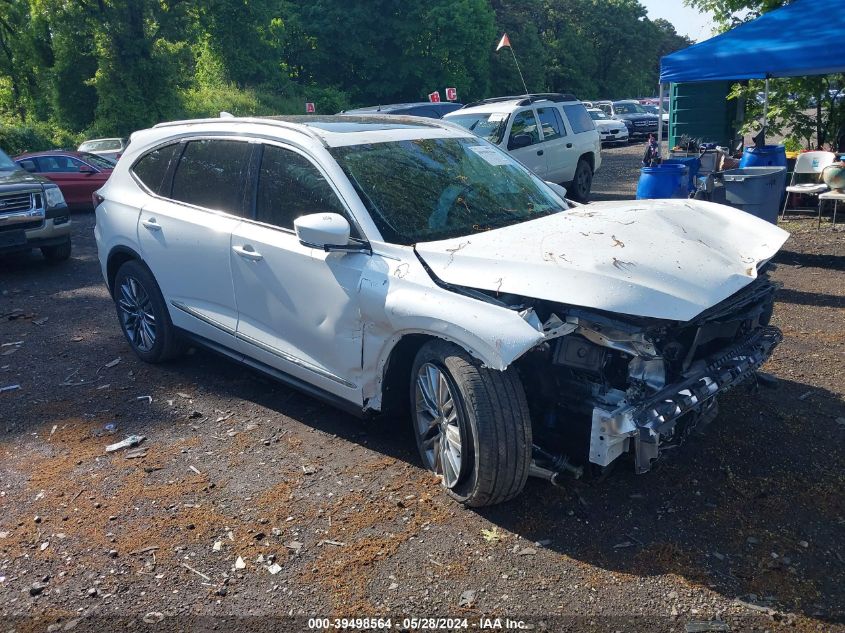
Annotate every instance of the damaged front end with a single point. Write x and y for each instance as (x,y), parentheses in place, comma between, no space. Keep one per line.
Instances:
(602,385)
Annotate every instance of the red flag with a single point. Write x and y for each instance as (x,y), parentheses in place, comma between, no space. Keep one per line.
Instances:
(451,94)
(434,97)
(504,42)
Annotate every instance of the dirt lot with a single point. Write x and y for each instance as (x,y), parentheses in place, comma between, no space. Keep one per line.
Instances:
(249,499)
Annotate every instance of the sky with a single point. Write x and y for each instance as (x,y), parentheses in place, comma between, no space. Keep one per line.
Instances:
(687,21)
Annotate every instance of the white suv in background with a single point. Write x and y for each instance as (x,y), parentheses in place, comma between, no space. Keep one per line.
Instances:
(405,266)
(552,134)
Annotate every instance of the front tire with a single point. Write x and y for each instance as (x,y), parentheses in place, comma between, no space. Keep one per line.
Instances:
(143,315)
(57,253)
(583,181)
(471,424)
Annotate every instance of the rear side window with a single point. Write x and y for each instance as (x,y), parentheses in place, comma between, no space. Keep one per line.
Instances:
(211,175)
(551,122)
(290,186)
(152,168)
(579,118)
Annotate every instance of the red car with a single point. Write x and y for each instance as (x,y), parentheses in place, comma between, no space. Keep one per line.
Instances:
(78,174)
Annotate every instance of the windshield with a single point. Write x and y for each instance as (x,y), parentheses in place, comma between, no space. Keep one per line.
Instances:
(488,125)
(6,163)
(97,161)
(432,189)
(597,115)
(102,145)
(651,109)
(628,108)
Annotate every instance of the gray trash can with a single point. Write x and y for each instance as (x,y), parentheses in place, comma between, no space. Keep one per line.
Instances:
(756,190)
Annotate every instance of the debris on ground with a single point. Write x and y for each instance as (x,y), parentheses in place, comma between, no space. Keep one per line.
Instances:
(132,440)
(9,388)
(112,363)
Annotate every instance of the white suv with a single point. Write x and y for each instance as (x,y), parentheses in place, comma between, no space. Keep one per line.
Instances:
(402,265)
(552,134)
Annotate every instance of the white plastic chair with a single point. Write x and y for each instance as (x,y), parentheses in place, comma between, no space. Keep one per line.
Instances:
(808,163)
(836,196)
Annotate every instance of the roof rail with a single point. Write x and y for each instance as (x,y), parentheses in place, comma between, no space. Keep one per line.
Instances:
(527,99)
(275,121)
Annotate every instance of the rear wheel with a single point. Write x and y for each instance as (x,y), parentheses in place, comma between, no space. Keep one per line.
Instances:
(583,181)
(471,424)
(57,253)
(143,314)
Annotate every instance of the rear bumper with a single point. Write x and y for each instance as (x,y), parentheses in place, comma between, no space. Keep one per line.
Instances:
(667,417)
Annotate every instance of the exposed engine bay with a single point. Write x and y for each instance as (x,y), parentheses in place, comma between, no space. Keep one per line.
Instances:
(606,385)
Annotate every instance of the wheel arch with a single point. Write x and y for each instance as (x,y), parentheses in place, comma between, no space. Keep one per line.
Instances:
(590,157)
(118,256)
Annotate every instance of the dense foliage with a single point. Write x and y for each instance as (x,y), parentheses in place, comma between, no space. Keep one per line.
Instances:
(809,111)
(108,67)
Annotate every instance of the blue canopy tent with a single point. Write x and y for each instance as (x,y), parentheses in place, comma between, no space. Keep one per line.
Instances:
(805,37)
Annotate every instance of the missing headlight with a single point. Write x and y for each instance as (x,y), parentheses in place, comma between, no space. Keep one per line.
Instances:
(577,352)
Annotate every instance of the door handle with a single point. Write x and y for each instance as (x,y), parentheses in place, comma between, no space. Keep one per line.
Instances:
(569,144)
(151,224)
(539,152)
(248,252)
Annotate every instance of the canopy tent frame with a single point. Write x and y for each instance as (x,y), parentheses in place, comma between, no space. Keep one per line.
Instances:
(761,49)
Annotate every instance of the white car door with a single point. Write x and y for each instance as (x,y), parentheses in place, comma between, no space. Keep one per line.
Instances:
(185,236)
(561,157)
(533,155)
(297,306)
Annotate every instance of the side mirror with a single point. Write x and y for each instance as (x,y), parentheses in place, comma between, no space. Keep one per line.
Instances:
(519,141)
(87,169)
(322,230)
(28,165)
(558,189)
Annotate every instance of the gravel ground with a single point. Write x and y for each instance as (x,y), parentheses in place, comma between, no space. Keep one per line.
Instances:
(253,501)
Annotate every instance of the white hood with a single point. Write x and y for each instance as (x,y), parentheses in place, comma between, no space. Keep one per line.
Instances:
(667,259)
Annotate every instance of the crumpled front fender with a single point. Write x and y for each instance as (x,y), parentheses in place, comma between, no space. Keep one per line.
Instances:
(403,300)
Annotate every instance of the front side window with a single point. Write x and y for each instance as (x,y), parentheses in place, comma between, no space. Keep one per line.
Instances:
(551,122)
(430,189)
(579,118)
(525,123)
(211,174)
(289,186)
(98,161)
(487,125)
(151,170)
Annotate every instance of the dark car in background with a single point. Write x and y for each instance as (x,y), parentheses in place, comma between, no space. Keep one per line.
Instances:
(423,108)
(33,213)
(78,174)
(639,122)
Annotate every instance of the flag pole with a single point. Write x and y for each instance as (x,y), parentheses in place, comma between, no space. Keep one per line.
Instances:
(505,41)
(519,70)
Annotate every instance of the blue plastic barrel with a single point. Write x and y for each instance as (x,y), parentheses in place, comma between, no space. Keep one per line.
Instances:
(692,164)
(662,181)
(764,156)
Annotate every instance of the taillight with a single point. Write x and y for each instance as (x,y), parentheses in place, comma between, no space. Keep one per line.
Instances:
(96,198)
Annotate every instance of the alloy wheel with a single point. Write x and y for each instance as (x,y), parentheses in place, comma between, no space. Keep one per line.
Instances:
(136,314)
(438,424)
